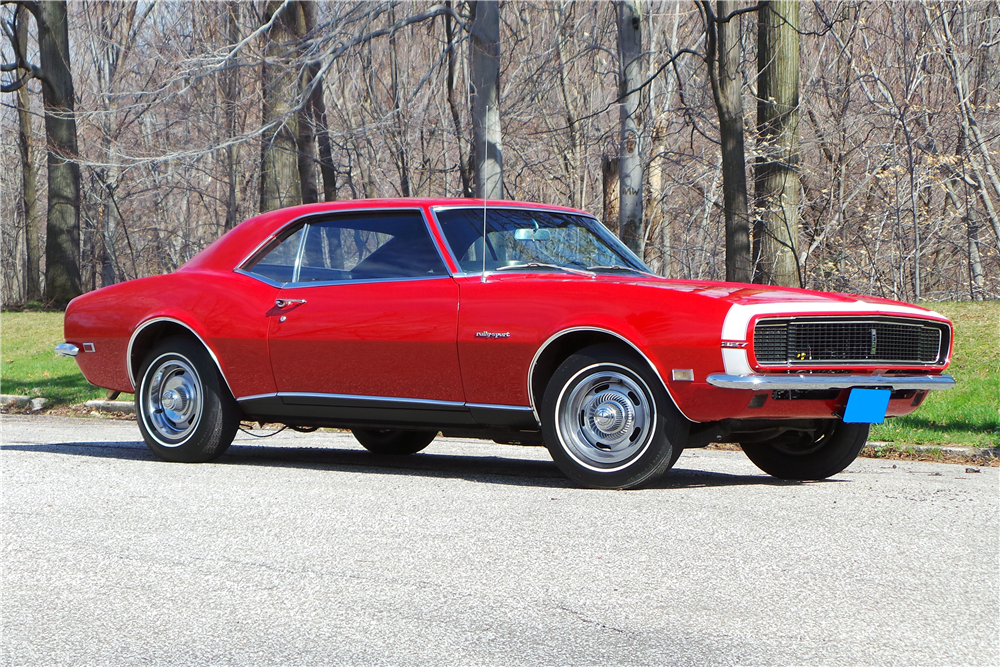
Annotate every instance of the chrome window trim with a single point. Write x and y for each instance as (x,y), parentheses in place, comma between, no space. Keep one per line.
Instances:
(559,334)
(297,268)
(146,324)
(304,219)
(367,281)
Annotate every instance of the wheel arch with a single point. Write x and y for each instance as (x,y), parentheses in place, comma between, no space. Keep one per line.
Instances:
(149,333)
(559,346)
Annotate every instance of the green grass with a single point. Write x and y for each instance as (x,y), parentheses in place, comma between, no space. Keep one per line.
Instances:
(28,365)
(969,413)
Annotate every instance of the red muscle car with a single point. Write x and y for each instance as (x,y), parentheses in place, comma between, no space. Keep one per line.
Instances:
(520,323)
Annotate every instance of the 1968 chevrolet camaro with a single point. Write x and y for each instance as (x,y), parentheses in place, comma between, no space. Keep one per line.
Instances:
(520,323)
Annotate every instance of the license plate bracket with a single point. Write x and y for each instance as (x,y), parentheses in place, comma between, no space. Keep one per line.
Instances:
(867,406)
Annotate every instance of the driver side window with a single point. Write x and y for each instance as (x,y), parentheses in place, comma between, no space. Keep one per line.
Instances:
(373,246)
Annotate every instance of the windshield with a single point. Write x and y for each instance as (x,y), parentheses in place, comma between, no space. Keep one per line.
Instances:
(533,240)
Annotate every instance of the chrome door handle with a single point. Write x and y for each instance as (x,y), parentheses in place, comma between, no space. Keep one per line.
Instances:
(281,303)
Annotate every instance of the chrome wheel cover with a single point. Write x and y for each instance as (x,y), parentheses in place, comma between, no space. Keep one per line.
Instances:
(173,400)
(605,418)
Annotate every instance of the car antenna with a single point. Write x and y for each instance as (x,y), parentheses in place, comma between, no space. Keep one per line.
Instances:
(483,278)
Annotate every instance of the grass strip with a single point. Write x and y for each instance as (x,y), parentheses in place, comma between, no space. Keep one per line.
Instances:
(30,367)
(969,413)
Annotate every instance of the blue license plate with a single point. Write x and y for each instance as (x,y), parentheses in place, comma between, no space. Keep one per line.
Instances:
(867,406)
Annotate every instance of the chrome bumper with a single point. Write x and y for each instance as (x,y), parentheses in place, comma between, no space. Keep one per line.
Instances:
(67,350)
(805,382)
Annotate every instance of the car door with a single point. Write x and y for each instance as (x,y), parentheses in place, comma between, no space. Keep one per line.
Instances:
(367,312)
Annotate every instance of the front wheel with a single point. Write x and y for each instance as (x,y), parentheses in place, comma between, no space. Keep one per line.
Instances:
(809,457)
(392,442)
(607,421)
(186,413)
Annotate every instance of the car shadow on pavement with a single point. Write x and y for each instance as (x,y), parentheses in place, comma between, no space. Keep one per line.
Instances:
(486,469)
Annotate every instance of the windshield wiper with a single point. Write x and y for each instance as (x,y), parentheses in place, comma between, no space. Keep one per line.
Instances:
(619,267)
(541,265)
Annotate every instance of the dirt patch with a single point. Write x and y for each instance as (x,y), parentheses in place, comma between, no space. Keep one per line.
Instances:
(65,411)
(969,456)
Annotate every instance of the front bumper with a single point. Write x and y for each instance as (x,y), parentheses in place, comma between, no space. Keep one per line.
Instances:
(818,381)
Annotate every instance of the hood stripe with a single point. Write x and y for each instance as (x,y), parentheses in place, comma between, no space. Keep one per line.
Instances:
(739,316)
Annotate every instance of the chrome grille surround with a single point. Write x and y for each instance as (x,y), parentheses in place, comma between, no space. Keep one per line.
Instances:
(850,341)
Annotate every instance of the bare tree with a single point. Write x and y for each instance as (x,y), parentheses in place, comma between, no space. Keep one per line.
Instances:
(484,72)
(777,180)
(62,246)
(987,183)
(230,96)
(899,104)
(29,191)
(724,45)
(451,49)
(630,165)
(281,180)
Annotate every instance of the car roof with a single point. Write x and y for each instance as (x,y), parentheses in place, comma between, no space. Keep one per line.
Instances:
(232,248)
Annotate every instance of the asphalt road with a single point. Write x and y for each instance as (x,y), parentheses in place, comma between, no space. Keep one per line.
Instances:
(304,549)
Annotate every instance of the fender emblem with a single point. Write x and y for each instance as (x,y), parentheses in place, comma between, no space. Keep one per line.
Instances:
(732,343)
(492,334)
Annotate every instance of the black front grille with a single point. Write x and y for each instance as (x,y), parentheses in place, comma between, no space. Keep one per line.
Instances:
(868,341)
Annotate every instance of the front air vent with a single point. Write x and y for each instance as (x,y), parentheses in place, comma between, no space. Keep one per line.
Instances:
(878,341)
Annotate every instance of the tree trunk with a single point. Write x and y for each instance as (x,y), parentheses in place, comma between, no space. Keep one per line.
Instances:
(610,182)
(230,92)
(658,223)
(281,182)
(776,228)
(727,88)
(659,164)
(631,224)
(62,243)
(463,164)
(399,145)
(484,72)
(327,169)
(306,22)
(29,190)
(113,23)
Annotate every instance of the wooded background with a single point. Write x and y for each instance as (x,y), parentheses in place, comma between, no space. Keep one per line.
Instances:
(134,134)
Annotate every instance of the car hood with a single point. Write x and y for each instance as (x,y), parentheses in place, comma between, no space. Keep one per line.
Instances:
(745,294)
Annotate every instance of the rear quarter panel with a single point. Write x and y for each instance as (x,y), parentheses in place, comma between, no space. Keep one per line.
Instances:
(228,311)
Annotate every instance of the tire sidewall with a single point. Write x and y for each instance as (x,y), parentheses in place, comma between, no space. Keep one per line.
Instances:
(217,422)
(668,428)
(392,442)
(843,446)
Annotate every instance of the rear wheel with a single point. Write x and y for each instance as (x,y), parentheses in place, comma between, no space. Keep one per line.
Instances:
(608,422)
(390,441)
(803,456)
(185,411)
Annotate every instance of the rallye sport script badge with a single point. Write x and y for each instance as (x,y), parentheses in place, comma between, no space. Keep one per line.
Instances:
(492,334)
